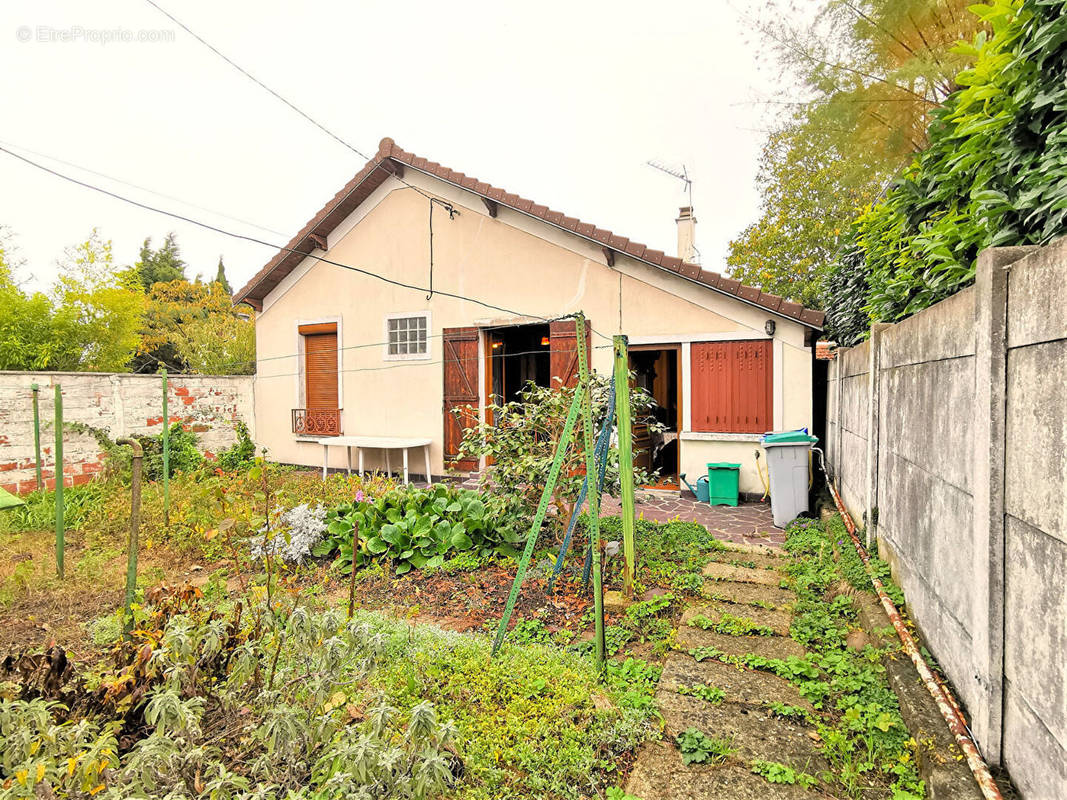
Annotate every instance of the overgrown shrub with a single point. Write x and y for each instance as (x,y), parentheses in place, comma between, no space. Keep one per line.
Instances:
(992,174)
(522,441)
(263,703)
(183,456)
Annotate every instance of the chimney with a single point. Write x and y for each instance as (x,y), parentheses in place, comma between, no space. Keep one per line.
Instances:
(687,228)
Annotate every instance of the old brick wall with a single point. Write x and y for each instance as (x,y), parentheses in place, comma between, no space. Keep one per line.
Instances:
(121,404)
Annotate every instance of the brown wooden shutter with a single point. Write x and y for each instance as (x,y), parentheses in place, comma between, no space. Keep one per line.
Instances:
(731,386)
(563,351)
(320,369)
(461,390)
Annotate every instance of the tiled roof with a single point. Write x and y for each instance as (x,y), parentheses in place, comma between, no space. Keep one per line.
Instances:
(390,159)
(824,350)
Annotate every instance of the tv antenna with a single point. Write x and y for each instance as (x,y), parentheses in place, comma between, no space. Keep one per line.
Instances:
(681,175)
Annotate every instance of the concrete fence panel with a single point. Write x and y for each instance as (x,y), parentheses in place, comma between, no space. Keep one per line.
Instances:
(964,463)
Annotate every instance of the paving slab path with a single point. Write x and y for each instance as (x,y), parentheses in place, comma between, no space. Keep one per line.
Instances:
(747,584)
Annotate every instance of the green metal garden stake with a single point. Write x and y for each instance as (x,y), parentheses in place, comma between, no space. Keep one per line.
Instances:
(626,461)
(166,454)
(135,524)
(539,517)
(593,498)
(37,433)
(60,532)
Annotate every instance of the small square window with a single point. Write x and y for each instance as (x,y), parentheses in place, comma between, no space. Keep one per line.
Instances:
(407,336)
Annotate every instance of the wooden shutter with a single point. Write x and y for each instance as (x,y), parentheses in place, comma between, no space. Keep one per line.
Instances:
(320,368)
(461,390)
(731,386)
(563,352)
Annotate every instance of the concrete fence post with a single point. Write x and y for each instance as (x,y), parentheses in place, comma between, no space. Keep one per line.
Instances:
(990,408)
(873,427)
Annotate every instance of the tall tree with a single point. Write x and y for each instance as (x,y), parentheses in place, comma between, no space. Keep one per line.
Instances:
(107,301)
(220,278)
(162,265)
(201,327)
(807,196)
(89,320)
(869,75)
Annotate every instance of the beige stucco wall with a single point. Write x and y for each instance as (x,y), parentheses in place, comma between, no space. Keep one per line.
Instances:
(513,262)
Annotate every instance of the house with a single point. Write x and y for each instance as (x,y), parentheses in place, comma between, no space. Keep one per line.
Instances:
(340,350)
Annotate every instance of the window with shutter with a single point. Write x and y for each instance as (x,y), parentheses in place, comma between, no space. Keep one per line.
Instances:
(320,414)
(731,386)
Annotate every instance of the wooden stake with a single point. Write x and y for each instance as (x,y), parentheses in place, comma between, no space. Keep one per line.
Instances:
(60,526)
(37,434)
(626,462)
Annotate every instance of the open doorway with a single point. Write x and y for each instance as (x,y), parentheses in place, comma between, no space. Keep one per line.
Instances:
(657,370)
(516,355)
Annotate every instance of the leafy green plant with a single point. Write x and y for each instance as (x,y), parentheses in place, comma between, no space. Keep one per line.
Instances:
(775,772)
(521,442)
(712,694)
(241,454)
(788,712)
(183,456)
(991,173)
(697,747)
(39,509)
(419,528)
(731,625)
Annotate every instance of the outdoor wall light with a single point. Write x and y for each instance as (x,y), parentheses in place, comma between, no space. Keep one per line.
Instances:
(769,326)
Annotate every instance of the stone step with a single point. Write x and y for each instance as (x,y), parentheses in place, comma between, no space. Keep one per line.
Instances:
(753,731)
(659,774)
(767,646)
(754,687)
(759,560)
(756,549)
(750,593)
(777,621)
(728,572)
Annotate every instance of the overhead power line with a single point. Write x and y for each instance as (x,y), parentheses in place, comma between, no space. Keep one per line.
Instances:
(277,95)
(142,188)
(255,240)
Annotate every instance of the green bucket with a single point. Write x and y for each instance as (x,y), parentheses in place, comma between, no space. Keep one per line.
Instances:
(722,483)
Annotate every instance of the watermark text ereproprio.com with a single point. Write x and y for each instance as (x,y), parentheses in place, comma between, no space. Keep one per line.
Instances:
(70,34)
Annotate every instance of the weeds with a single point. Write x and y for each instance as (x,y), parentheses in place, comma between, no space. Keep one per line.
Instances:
(711,694)
(697,747)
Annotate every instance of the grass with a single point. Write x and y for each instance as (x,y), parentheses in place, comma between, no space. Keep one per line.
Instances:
(528,721)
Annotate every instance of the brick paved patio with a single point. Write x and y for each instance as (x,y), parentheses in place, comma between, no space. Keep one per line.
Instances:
(748,523)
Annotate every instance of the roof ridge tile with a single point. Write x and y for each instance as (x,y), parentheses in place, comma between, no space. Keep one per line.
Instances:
(357,187)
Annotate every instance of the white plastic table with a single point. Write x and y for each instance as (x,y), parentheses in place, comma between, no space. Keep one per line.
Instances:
(385,443)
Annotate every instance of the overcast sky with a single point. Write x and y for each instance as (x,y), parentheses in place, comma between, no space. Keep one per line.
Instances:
(559,102)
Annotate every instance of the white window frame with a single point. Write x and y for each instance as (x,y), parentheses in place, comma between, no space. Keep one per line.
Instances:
(387,356)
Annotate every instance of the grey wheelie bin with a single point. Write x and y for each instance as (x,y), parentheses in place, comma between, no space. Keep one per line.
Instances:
(788,464)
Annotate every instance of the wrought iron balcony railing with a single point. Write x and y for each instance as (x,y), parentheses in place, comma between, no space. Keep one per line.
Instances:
(317,421)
